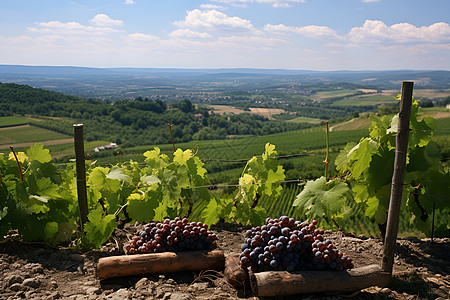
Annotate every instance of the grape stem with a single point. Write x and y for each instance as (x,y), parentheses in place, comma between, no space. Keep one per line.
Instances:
(336,223)
(171,137)
(196,148)
(326,157)
(18,163)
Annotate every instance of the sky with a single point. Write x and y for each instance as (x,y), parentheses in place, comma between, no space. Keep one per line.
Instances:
(271,34)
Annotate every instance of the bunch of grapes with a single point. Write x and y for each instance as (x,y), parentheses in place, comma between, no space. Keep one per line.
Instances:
(285,244)
(173,236)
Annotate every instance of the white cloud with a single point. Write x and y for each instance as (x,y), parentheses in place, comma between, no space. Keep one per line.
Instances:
(103,20)
(142,37)
(310,31)
(130,2)
(212,20)
(189,34)
(274,3)
(57,27)
(211,6)
(368,1)
(378,32)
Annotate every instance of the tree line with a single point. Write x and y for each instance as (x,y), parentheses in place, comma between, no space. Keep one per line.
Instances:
(132,122)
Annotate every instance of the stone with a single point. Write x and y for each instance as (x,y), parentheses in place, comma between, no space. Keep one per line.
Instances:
(385,291)
(54,295)
(53,284)
(29,294)
(93,290)
(10,280)
(20,294)
(142,283)
(38,269)
(178,296)
(31,282)
(16,287)
(198,286)
(120,294)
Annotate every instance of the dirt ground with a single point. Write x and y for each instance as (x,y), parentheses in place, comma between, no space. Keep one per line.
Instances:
(39,271)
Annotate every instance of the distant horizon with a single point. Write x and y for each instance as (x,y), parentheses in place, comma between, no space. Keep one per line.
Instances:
(322,35)
(221,68)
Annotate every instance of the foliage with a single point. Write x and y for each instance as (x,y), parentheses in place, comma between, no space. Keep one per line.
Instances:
(369,166)
(43,206)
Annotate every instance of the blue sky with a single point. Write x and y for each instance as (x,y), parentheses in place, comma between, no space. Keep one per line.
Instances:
(285,34)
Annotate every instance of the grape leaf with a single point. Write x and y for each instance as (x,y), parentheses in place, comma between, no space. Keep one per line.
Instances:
(150,179)
(142,208)
(99,228)
(118,173)
(362,157)
(156,160)
(21,157)
(38,153)
(181,157)
(321,198)
(344,157)
(51,228)
(212,212)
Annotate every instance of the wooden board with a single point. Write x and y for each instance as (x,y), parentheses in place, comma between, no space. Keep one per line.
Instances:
(159,263)
(281,283)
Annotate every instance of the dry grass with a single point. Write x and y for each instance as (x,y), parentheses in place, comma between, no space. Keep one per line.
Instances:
(265,112)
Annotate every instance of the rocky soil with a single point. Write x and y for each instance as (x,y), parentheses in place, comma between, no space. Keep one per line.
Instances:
(39,271)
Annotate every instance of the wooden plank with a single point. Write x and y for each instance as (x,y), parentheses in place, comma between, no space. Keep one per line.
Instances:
(159,263)
(282,283)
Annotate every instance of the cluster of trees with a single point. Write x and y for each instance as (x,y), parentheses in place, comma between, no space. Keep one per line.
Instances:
(140,121)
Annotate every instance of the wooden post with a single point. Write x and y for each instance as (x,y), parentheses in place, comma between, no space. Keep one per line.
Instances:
(398,176)
(81,173)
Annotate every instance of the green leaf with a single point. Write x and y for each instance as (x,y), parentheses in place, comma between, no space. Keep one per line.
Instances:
(38,153)
(363,157)
(156,160)
(51,228)
(320,198)
(63,233)
(142,208)
(212,212)
(344,157)
(3,212)
(257,216)
(99,228)
(372,207)
(181,157)
(118,173)
(149,180)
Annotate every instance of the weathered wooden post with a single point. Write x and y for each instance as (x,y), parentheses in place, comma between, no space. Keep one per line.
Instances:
(398,176)
(81,173)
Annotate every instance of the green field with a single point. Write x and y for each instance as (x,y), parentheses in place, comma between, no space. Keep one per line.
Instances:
(13,121)
(335,93)
(365,101)
(28,134)
(306,120)
(224,159)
